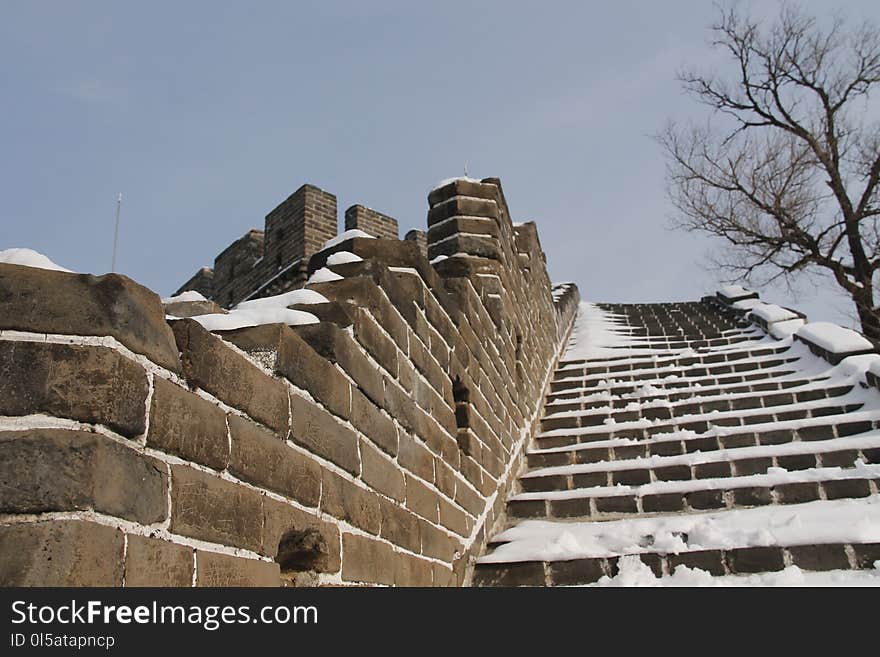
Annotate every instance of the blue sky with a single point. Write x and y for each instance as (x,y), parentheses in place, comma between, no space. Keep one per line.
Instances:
(205,115)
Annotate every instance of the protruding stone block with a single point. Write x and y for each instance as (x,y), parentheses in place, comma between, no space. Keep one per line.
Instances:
(61,553)
(59,470)
(88,384)
(46,301)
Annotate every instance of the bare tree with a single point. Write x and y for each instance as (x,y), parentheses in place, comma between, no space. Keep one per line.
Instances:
(786,169)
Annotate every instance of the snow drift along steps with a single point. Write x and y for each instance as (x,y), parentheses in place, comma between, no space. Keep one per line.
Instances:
(651,389)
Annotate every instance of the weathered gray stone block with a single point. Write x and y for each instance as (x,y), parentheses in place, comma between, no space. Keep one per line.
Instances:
(59,470)
(46,301)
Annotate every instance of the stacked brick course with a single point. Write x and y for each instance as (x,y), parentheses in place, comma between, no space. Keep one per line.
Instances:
(375,447)
(263,263)
(358,217)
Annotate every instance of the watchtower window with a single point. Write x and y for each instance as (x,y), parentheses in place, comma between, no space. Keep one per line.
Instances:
(461,395)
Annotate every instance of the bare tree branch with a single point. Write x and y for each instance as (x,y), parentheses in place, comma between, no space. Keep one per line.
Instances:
(786,172)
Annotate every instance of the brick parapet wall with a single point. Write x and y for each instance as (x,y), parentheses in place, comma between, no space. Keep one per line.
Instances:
(262,263)
(359,217)
(374,447)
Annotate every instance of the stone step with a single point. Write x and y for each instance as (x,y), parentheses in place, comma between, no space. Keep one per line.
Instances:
(700,414)
(589,368)
(737,561)
(676,343)
(812,390)
(707,403)
(718,494)
(712,465)
(669,385)
(682,374)
(839,427)
(698,424)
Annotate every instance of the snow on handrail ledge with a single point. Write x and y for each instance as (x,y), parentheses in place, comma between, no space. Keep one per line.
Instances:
(733,293)
(833,342)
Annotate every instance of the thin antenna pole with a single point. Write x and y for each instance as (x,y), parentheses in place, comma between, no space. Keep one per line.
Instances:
(116,232)
(465,169)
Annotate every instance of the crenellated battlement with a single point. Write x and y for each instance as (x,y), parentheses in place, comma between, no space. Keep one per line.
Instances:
(374,440)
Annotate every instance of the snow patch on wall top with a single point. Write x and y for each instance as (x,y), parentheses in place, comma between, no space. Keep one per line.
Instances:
(29,258)
(189,295)
(347,235)
(833,338)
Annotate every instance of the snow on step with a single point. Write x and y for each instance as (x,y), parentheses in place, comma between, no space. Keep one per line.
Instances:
(633,572)
(654,402)
(819,522)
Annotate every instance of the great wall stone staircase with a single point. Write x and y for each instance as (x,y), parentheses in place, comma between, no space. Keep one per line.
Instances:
(684,434)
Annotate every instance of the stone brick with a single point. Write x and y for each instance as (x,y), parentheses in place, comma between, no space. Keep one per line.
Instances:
(370,421)
(60,553)
(224,570)
(523,573)
(212,365)
(712,470)
(663,502)
(819,557)
(60,470)
(866,554)
(443,576)
(616,504)
(736,440)
(846,488)
(400,526)
(705,499)
(576,572)
(463,206)
(570,508)
(797,493)
(320,433)
(421,500)
(47,301)
(215,510)
(349,502)
(842,459)
(337,345)
(366,291)
(776,437)
(752,496)
(630,477)
(381,473)
(673,473)
(472,225)
(154,562)
(280,518)
(184,424)
(712,561)
(300,365)
(469,499)
(379,345)
(453,518)
(792,462)
(185,309)
(401,406)
(755,560)
(412,571)
(591,479)
(667,448)
(406,375)
(367,560)
(262,458)
(415,458)
(89,384)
